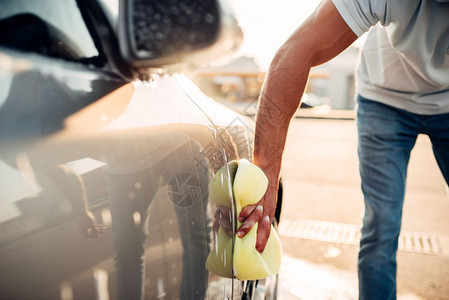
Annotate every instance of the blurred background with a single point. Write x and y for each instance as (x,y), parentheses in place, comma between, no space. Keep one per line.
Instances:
(323,204)
(266,25)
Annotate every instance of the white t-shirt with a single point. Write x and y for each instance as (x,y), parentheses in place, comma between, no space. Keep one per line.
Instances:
(405,59)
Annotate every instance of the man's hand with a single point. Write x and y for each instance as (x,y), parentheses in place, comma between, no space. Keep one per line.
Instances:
(222,217)
(261,213)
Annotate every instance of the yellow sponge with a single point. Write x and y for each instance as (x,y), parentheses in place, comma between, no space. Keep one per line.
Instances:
(244,262)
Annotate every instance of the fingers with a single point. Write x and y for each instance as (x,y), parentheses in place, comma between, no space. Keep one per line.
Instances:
(261,213)
(223,219)
(246,211)
(263,233)
(225,211)
(249,222)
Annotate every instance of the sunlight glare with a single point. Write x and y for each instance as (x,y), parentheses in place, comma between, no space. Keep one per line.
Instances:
(267,24)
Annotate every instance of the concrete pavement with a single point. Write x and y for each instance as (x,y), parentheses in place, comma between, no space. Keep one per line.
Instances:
(321,183)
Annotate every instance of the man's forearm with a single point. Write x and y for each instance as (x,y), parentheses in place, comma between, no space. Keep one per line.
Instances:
(322,36)
(279,100)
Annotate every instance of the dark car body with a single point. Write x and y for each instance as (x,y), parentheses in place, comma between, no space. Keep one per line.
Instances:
(104,178)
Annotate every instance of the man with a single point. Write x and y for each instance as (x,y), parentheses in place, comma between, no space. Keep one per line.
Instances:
(403,86)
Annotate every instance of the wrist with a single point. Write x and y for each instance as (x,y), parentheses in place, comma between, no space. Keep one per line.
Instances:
(271,169)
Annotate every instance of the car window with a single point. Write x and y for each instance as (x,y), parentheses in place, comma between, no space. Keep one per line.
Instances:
(47,27)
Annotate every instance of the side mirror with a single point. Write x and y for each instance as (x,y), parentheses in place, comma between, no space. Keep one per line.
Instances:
(155,33)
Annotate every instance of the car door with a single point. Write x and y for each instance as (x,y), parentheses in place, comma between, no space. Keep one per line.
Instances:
(50,68)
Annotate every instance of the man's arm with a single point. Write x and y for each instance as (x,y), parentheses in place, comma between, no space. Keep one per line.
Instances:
(320,38)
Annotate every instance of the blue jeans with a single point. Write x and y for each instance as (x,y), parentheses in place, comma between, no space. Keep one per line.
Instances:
(386,137)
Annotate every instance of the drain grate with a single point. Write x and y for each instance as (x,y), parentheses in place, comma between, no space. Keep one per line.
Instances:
(321,231)
(342,233)
(419,242)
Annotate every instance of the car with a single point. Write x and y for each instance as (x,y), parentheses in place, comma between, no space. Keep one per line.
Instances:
(107,149)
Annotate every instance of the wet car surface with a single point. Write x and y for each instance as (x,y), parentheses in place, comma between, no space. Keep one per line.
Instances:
(105,191)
